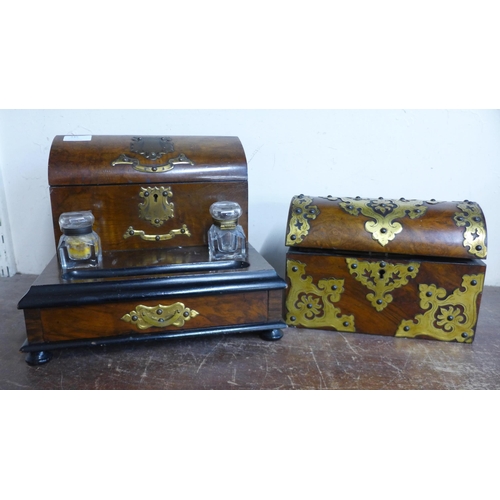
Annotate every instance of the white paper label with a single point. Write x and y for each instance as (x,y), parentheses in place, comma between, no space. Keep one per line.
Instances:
(77,138)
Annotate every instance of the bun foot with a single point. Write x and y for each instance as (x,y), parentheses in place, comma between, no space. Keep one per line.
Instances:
(36,358)
(275,334)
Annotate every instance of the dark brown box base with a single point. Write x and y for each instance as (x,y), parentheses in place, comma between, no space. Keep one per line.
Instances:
(399,296)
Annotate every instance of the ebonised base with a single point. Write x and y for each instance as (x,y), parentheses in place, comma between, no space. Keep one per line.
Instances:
(40,353)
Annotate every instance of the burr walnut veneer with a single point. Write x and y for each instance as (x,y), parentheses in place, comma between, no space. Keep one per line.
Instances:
(406,268)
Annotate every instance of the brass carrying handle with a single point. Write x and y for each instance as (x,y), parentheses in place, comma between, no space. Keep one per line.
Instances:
(123,159)
(184,231)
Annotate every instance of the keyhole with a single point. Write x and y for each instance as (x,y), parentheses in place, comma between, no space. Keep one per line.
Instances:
(155,196)
(381,273)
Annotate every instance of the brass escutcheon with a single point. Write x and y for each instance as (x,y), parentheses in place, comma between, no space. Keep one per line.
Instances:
(160,316)
(156,208)
(381,278)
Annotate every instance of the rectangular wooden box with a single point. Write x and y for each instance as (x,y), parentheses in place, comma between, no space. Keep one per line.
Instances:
(156,302)
(150,197)
(405,268)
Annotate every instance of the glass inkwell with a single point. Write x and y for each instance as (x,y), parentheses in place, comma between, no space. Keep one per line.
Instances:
(79,246)
(226,238)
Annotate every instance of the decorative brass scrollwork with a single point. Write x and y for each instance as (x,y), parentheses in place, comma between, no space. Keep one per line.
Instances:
(382,278)
(136,165)
(384,213)
(152,148)
(449,317)
(160,316)
(184,231)
(472,219)
(312,306)
(302,211)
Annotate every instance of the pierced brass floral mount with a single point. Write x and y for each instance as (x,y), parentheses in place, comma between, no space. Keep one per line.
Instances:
(383,227)
(313,306)
(152,148)
(471,217)
(301,213)
(446,317)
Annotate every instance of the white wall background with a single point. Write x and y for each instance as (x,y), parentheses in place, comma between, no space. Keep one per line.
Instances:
(443,154)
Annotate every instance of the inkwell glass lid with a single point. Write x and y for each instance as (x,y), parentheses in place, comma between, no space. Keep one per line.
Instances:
(75,223)
(225,211)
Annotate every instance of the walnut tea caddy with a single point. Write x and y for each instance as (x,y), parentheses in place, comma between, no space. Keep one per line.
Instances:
(405,268)
(150,197)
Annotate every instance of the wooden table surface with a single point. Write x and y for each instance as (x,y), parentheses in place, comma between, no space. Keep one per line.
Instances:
(302,359)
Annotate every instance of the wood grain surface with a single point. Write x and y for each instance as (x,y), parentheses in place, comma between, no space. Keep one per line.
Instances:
(82,177)
(302,359)
(434,233)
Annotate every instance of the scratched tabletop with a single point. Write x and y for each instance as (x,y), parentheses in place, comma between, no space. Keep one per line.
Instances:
(302,359)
